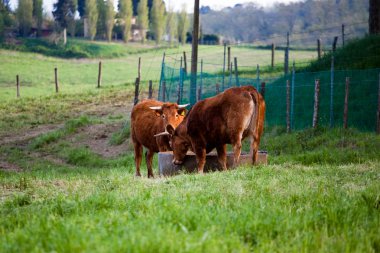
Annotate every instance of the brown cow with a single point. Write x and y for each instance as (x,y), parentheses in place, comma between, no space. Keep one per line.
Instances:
(227,118)
(148,118)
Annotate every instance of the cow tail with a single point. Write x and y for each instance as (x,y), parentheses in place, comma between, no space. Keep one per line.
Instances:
(256,127)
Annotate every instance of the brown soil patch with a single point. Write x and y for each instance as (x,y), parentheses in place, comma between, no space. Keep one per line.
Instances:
(27,134)
(97,138)
(6,166)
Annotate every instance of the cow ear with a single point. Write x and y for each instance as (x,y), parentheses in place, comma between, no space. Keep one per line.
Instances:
(159,112)
(170,129)
(182,111)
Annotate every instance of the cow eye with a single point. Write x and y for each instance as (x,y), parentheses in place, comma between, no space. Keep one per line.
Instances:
(176,115)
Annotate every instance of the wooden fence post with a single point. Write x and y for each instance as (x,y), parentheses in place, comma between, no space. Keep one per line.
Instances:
(17,86)
(185,62)
(334,43)
(164,91)
(139,69)
(137,84)
(236,72)
(150,89)
(273,48)
(343,35)
(56,79)
(100,74)
(287,106)
(346,103)
(316,104)
(286,63)
(262,89)
(319,45)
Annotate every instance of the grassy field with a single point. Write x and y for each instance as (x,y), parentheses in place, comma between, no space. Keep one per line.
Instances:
(36,71)
(65,187)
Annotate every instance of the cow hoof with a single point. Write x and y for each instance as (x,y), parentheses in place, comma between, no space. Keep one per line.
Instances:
(151,176)
(137,175)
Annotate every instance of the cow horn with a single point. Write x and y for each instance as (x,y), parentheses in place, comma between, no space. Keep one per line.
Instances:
(156,107)
(162,134)
(183,106)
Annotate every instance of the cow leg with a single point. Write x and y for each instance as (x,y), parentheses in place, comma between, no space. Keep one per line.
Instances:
(237,149)
(138,156)
(222,156)
(148,158)
(254,149)
(200,153)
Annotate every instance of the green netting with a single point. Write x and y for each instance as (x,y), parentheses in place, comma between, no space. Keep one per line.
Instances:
(362,104)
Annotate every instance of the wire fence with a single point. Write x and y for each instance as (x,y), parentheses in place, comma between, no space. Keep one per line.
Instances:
(362,103)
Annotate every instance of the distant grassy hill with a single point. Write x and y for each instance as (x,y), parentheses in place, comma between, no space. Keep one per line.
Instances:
(358,54)
(76,48)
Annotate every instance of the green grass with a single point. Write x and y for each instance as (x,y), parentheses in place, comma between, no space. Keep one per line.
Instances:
(320,193)
(361,53)
(76,48)
(36,71)
(70,127)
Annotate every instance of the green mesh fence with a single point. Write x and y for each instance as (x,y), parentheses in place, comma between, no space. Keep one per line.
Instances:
(362,104)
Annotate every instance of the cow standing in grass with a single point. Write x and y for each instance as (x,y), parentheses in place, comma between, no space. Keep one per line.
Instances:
(227,118)
(148,118)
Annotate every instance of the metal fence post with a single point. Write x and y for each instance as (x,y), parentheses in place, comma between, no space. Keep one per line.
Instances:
(316,104)
(258,76)
(292,99)
(201,82)
(332,92)
(162,76)
(345,112)
(224,65)
(287,106)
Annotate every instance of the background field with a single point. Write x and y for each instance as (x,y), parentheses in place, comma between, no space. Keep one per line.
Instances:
(67,184)
(36,71)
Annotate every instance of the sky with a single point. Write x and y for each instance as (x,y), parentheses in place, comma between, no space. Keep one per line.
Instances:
(177,4)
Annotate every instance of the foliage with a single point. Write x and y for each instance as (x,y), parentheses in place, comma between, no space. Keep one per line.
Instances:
(64,12)
(142,18)
(252,23)
(101,24)
(37,15)
(158,20)
(171,25)
(24,16)
(126,14)
(92,17)
(183,24)
(109,18)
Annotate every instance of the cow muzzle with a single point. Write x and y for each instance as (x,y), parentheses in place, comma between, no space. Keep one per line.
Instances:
(177,162)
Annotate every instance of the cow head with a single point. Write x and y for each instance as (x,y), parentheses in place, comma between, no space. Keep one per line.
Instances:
(178,142)
(171,113)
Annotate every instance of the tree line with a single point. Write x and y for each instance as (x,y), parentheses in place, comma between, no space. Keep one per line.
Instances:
(250,22)
(97,19)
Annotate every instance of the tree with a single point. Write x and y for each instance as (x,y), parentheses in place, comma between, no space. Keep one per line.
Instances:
(136,3)
(171,25)
(158,19)
(109,18)
(183,24)
(92,17)
(374,16)
(101,25)
(25,16)
(64,13)
(126,14)
(142,18)
(37,15)
(82,8)
(1,27)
